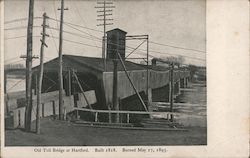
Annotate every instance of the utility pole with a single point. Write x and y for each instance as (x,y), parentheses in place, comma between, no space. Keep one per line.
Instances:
(105,11)
(28,109)
(39,88)
(171,89)
(60,73)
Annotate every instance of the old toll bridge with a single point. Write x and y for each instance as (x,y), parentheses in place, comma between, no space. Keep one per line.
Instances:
(111,90)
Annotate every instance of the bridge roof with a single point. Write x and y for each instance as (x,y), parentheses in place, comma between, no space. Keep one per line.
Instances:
(80,64)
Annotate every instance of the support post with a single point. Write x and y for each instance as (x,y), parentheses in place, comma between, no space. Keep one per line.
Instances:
(128,118)
(39,88)
(54,107)
(148,97)
(110,117)
(137,93)
(7,104)
(179,86)
(43,110)
(115,88)
(69,83)
(186,82)
(96,116)
(82,90)
(171,90)
(28,109)
(5,83)
(60,73)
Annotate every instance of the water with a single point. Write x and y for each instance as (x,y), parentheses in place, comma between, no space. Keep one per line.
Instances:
(194,113)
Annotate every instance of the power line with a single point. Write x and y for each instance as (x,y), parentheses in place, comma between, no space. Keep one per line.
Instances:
(177,47)
(86,37)
(153,43)
(54,7)
(156,43)
(20,27)
(17,37)
(20,19)
(82,31)
(75,34)
(170,54)
(53,38)
(153,51)
(83,21)
(68,23)
(71,24)
(77,42)
(177,54)
(129,47)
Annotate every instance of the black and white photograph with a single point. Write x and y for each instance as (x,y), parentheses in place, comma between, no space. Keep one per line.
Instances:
(124,78)
(105,73)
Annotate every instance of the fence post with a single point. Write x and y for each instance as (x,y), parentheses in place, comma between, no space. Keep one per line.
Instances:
(127,117)
(96,116)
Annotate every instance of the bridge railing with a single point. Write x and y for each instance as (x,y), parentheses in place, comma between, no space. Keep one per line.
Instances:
(128,113)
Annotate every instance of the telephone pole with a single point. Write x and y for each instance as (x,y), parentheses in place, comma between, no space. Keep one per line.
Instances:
(60,73)
(39,88)
(105,7)
(28,109)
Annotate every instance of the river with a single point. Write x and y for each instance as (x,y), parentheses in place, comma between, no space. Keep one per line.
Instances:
(194,112)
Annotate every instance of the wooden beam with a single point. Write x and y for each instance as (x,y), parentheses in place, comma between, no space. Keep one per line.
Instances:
(126,72)
(125,112)
(74,74)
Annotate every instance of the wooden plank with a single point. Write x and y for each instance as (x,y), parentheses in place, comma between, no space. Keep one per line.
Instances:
(165,104)
(102,123)
(124,112)
(135,128)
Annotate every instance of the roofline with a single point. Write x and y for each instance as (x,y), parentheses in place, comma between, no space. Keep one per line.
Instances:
(117,29)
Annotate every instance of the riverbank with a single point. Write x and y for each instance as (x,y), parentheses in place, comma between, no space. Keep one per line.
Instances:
(62,133)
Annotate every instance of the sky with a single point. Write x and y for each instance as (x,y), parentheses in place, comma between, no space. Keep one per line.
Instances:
(180,23)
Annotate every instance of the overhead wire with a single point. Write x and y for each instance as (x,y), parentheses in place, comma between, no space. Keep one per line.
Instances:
(77,42)
(20,19)
(17,37)
(68,23)
(152,50)
(177,47)
(83,21)
(97,38)
(75,34)
(20,27)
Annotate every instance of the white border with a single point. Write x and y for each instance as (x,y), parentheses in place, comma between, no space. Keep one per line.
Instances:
(228,90)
